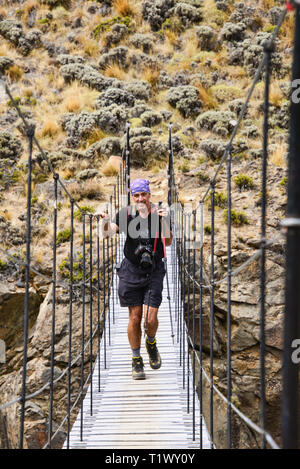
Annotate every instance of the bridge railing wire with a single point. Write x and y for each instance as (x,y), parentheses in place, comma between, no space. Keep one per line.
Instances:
(78,290)
(187,249)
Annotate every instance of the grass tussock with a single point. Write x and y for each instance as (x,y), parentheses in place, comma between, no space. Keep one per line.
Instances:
(82,190)
(15,73)
(77,97)
(206,97)
(278,156)
(109,169)
(287,31)
(151,75)
(50,127)
(114,71)
(276,94)
(125,7)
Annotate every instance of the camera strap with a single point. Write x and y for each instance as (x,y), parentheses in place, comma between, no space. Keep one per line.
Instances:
(157,234)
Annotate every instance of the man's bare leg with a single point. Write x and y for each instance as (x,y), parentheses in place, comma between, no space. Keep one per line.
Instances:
(134,326)
(134,337)
(151,324)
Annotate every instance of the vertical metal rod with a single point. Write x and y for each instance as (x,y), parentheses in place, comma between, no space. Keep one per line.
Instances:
(212,316)
(112,265)
(200,324)
(128,161)
(108,287)
(183,312)
(179,283)
(53,315)
(82,323)
(194,324)
(170,165)
(290,397)
(229,387)
(91,313)
(30,135)
(104,299)
(70,324)
(188,313)
(98,301)
(268,51)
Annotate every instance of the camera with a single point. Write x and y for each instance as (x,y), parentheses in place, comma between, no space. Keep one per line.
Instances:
(145,253)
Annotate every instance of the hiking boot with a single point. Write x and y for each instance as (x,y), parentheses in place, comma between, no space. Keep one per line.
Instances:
(154,356)
(138,368)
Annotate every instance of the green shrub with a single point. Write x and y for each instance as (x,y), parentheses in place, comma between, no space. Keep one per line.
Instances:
(283,182)
(85,208)
(202,177)
(220,200)
(207,229)
(63,236)
(184,167)
(64,268)
(237,218)
(105,26)
(242,181)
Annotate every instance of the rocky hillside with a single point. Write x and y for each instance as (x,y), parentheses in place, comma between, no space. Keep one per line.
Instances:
(79,70)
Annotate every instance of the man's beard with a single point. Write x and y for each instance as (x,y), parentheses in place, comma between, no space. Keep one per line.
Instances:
(142,206)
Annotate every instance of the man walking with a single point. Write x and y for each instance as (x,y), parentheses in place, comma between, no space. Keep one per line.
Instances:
(141,274)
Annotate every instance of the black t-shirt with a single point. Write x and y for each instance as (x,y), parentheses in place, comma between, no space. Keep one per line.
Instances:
(138,229)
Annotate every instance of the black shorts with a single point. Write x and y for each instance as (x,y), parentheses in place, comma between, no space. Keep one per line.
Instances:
(134,284)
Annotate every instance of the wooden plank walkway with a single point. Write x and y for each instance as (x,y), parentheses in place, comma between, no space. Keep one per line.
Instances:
(150,413)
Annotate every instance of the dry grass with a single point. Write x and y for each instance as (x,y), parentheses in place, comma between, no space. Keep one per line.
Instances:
(114,71)
(190,41)
(125,7)
(50,127)
(86,190)
(287,31)
(3,12)
(8,49)
(72,104)
(151,75)
(6,213)
(15,73)
(172,38)
(277,157)
(91,47)
(208,101)
(276,95)
(109,170)
(76,97)
(94,137)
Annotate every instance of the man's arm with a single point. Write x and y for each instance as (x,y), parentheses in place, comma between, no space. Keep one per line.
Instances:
(166,231)
(108,228)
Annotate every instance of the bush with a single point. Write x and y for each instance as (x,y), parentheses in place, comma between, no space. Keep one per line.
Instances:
(63,236)
(220,199)
(237,218)
(85,208)
(243,181)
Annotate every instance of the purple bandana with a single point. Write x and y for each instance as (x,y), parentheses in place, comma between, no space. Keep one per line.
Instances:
(139,185)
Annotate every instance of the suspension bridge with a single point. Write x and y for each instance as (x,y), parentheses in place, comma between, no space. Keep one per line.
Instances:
(106,409)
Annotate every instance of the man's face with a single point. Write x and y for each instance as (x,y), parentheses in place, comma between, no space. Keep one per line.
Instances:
(142,200)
